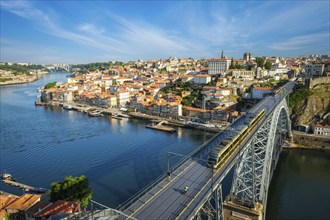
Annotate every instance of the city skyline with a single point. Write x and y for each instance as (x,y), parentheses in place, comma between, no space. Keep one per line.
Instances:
(83,32)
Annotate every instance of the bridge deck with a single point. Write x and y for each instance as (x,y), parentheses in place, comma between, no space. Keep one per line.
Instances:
(167,199)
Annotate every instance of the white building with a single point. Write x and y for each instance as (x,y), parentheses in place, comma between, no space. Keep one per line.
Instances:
(174,61)
(260,92)
(122,98)
(202,79)
(322,129)
(218,65)
(223,92)
(314,69)
(246,74)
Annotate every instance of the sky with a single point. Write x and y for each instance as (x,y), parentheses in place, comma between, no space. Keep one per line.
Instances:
(73,32)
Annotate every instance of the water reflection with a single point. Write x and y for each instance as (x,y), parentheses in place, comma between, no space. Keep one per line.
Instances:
(119,157)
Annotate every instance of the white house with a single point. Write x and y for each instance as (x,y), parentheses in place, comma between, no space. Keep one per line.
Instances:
(218,65)
(223,92)
(260,92)
(122,98)
(202,79)
(322,129)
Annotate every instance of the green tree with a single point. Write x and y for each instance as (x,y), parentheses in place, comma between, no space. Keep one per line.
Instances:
(186,102)
(71,189)
(268,65)
(7,216)
(50,85)
(298,97)
(260,62)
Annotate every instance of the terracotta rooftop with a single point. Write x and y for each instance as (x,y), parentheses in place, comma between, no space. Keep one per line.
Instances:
(323,125)
(39,206)
(219,59)
(24,202)
(263,88)
(60,206)
(195,109)
(203,75)
(6,200)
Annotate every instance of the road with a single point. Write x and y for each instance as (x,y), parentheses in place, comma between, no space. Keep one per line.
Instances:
(167,199)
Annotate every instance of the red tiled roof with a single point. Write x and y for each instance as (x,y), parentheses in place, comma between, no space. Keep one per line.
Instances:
(203,75)
(219,59)
(6,200)
(195,109)
(263,88)
(323,125)
(60,206)
(38,207)
(24,202)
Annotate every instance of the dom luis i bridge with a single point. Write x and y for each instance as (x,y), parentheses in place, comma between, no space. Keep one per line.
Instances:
(192,188)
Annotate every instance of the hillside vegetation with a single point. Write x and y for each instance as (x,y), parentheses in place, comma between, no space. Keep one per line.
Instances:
(307,104)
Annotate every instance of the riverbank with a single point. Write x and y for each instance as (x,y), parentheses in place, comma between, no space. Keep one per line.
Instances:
(301,140)
(173,122)
(299,147)
(11,79)
(35,139)
(116,112)
(18,80)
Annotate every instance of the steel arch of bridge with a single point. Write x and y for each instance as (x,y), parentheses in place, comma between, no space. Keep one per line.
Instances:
(255,165)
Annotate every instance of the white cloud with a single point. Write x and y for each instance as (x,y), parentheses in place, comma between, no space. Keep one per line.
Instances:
(26,10)
(130,37)
(18,51)
(305,41)
(190,30)
(91,28)
(144,36)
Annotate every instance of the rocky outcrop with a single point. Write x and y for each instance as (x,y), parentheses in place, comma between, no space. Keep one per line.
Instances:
(317,103)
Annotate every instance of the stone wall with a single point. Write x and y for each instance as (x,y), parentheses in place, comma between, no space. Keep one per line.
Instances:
(320,80)
(311,141)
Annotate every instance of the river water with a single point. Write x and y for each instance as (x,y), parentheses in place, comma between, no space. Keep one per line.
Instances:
(119,157)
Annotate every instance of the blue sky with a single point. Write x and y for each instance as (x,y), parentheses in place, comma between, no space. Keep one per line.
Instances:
(97,31)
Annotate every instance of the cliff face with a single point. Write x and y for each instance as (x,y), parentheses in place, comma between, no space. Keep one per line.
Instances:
(318,102)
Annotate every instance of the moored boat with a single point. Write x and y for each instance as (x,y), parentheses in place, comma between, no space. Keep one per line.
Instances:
(7,176)
(67,107)
(95,113)
(38,103)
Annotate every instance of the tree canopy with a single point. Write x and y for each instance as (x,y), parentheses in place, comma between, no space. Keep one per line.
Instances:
(71,189)
(50,85)
(268,65)
(21,69)
(260,62)
(95,66)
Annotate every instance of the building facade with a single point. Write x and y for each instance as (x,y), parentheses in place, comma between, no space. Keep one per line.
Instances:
(314,70)
(202,79)
(260,92)
(218,66)
(322,129)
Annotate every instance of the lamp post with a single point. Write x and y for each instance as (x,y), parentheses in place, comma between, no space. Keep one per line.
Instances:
(171,154)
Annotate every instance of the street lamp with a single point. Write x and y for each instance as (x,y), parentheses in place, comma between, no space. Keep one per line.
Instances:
(171,154)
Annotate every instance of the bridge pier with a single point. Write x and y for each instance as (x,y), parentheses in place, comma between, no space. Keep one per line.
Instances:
(234,211)
(213,207)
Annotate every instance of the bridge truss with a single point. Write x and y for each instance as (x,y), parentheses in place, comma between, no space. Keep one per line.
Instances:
(254,167)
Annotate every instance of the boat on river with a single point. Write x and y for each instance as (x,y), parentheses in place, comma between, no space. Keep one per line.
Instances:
(95,113)
(67,107)
(7,176)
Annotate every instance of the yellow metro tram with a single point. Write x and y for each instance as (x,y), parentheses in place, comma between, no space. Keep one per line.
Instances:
(220,153)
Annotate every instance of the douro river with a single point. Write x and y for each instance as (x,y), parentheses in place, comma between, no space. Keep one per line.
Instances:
(119,157)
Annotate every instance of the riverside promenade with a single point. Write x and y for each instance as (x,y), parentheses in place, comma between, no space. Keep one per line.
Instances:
(138,115)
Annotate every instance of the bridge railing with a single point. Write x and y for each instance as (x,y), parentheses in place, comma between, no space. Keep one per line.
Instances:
(206,145)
